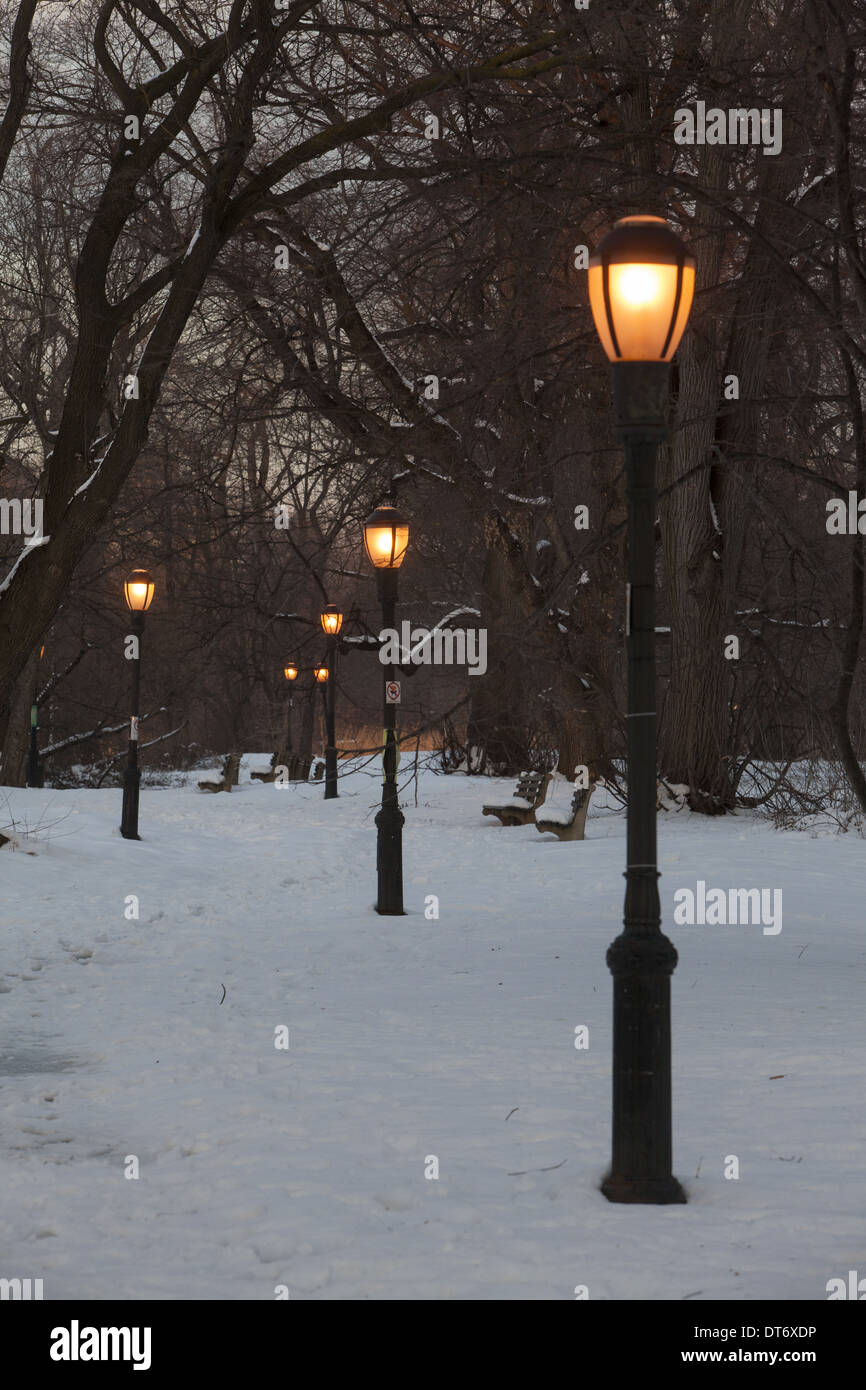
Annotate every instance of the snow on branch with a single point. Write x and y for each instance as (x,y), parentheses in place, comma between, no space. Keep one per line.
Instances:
(98,733)
(33,545)
(456,613)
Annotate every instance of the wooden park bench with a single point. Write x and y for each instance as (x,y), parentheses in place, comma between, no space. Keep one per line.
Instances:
(569,822)
(298,768)
(268,774)
(529,793)
(265,774)
(228,778)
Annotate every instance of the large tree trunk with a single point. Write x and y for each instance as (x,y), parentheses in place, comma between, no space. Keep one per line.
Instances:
(528,653)
(16,743)
(304,745)
(498,728)
(853,634)
(705,519)
(695,715)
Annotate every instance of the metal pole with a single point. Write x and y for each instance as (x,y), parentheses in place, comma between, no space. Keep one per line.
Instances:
(35,777)
(132,774)
(288,749)
(641,959)
(330,712)
(390,819)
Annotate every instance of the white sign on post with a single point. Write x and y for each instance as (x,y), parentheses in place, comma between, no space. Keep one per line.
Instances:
(392,692)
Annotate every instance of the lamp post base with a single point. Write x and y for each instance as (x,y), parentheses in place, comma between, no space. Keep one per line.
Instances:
(389,861)
(652,1191)
(129,813)
(331,774)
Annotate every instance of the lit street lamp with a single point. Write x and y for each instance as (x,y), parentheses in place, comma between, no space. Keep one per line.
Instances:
(332,620)
(138,591)
(35,776)
(641,283)
(386,536)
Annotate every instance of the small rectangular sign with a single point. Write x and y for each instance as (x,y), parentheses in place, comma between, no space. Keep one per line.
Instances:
(133,729)
(392,692)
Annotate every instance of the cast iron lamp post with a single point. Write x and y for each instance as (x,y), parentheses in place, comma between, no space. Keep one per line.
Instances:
(641,283)
(138,591)
(332,620)
(290,671)
(320,675)
(386,536)
(35,777)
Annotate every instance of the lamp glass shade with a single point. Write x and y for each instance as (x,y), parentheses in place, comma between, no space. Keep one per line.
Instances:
(290,671)
(331,619)
(641,286)
(138,591)
(386,536)
(321,674)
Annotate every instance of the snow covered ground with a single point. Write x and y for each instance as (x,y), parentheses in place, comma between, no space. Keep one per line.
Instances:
(410,1038)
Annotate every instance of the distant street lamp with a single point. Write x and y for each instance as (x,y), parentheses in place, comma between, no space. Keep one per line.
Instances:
(332,620)
(35,776)
(138,591)
(641,283)
(321,674)
(289,670)
(386,536)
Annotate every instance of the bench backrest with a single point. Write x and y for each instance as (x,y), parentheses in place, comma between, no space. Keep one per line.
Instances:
(529,785)
(556,801)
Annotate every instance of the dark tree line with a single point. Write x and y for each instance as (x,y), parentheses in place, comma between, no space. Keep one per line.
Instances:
(335,250)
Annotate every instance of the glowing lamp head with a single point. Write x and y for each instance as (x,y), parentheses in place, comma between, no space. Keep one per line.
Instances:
(138,591)
(386,536)
(331,619)
(321,674)
(641,285)
(290,671)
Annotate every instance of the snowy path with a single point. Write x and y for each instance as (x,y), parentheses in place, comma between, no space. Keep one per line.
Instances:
(408,1038)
